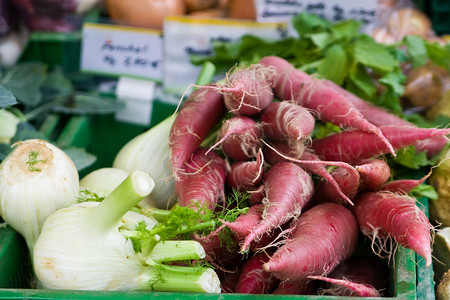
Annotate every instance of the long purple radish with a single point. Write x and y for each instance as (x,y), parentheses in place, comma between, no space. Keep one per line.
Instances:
(282,151)
(384,215)
(323,237)
(354,146)
(202,184)
(246,175)
(374,173)
(287,189)
(348,183)
(287,121)
(195,119)
(327,104)
(403,186)
(239,137)
(379,116)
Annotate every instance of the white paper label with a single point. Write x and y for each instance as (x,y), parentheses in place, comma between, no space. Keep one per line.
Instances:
(122,51)
(184,36)
(333,10)
(138,96)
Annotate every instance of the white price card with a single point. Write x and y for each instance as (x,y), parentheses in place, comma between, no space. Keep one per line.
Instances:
(333,10)
(122,51)
(185,36)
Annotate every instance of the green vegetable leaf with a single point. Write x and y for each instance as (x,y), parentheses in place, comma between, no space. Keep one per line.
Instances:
(321,39)
(390,98)
(305,23)
(438,54)
(374,55)
(417,50)
(424,190)
(360,83)
(346,29)
(80,157)
(24,81)
(324,129)
(6,97)
(88,104)
(335,65)
(408,157)
(57,85)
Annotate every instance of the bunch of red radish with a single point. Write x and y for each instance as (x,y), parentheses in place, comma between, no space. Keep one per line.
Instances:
(308,228)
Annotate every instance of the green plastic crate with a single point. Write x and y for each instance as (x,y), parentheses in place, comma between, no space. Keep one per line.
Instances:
(15,279)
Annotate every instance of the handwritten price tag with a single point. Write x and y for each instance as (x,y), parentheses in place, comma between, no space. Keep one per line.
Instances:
(184,36)
(122,51)
(333,10)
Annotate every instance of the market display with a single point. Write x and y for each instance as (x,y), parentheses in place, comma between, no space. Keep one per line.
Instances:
(302,166)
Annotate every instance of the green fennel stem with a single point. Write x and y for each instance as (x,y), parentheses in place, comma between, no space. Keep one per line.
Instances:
(161,215)
(123,198)
(166,251)
(164,278)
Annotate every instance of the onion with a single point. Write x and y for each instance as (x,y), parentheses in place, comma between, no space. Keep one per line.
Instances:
(409,21)
(196,5)
(242,9)
(424,86)
(208,13)
(144,13)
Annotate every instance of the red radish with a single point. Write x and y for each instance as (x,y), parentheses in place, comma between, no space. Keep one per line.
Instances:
(287,189)
(347,181)
(329,105)
(384,215)
(243,225)
(256,195)
(254,279)
(379,116)
(287,121)
(219,254)
(282,151)
(307,287)
(239,137)
(324,236)
(358,276)
(197,116)
(403,186)
(246,175)
(354,146)
(374,173)
(248,91)
(203,183)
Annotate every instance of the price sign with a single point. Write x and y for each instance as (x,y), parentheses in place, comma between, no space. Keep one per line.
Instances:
(122,51)
(333,10)
(185,36)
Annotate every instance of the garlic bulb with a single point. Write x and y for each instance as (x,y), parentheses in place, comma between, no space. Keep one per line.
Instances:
(36,179)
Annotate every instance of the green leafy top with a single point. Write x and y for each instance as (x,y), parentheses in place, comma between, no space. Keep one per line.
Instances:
(340,52)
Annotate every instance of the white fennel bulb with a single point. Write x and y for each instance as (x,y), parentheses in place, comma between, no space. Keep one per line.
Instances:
(92,246)
(149,152)
(36,179)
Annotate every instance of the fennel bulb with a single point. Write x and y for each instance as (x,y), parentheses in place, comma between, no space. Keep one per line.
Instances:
(149,152)
(91,246)
(36,179)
